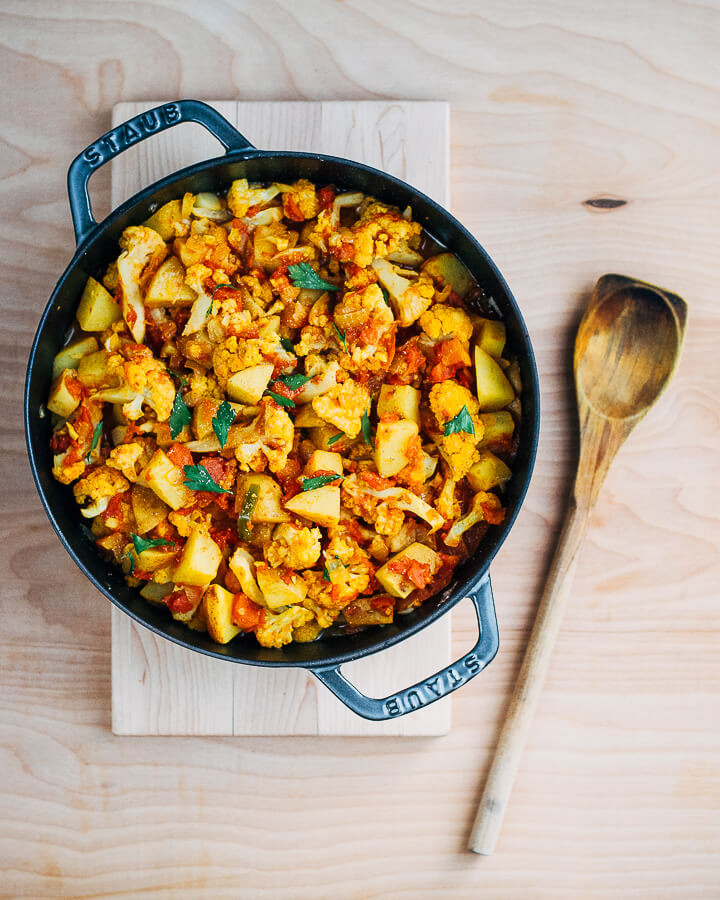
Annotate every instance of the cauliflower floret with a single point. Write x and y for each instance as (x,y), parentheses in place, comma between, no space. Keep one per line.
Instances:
(233,355)
(459,448)
(370,338)
(301,202)
(313,339)
(446,503)
(348,569)
(149,377)
(186,522)
(143,251)
(94,491)
(447,321)
(384,506)
(410,293)
(202,385)
(317,586)
(241,196)
(485,507)
(267,441)
(277,629)
(381,233)
(293,546)
(256,295)
(125,459)
(344,406)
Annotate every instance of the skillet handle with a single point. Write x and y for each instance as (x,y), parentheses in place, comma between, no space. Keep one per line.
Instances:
(131,132)
(430,689)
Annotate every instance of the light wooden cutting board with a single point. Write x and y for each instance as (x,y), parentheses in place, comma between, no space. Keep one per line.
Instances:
(160,688)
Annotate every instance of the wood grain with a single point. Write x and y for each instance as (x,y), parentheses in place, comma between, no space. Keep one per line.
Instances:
(159,688)
(552,104)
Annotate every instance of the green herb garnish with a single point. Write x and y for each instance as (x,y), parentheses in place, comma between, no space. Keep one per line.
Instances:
(294,381)
(386,296)
(248,508)
(335,437)
(197,478)
(131,560)
(326,574)
(287,345)
(180,415)
(95,438)
(366,429)
(461,422)
(283,401)
(222,421)
(141,544)
(303,275)
(341,335)
(317,481)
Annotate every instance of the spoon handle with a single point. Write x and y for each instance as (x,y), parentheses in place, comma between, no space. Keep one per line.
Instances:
(529,684)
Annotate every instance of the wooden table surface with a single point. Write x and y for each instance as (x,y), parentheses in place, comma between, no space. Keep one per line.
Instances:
(553,104)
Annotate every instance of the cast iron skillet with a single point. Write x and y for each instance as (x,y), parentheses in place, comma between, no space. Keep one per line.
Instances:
(97,244)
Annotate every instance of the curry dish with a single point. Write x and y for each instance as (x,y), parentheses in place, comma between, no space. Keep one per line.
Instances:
(285,410)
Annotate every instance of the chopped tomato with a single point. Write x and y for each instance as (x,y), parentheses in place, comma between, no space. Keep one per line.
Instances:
(246,614)
(292,210)
(416,572)
(384,605)
(114,508)
(225,537)
(184,600)
(449,356)
(326,197)
(180,456)
(60,441)
(376,482)
(215,467)
(407,362)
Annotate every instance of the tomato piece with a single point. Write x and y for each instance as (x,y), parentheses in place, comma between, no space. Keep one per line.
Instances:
(416,572)
(376,482)
(246,614)
(180,456)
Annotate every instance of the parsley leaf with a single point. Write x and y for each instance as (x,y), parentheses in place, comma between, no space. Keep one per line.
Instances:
(131,558)
(366,429)
(386,296)
(303,275)
(222,421)
(283,401)
(341,335)
(310,484)
(95,438)
(294,381)
(287,344)
(141,544)
(180,415)
(335,437)
(461,422)
(197,478)
(326,574)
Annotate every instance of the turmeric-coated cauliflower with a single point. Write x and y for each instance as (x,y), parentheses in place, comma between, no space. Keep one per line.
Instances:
(447,321)
(295,546)
(234,354)
(276,629)
(410,293)
(456,411)
(143,251)
(380,234)
(344,406)
(301,201)
(267,441)
(125,459)
(241,196)
(94,491)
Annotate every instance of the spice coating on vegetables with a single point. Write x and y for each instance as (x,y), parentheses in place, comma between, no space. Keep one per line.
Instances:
(284,410)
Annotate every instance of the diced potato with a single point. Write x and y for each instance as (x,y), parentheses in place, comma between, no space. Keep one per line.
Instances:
(308,418)
(206,200)
(242,566)
(70,356)
(166,480)
(492,337)
(97,310)
(494,391)
(451,271)
(167,286)
(148,509)
(92,369)
(402,399)
(391,441)
(248,385)
(64,394)
(488,472)
(164,220)
(277,591)
(324,461)
(217,604)
(199,561)
(321,437)
(269,502)
(498,429)
(398,585)
(321,506)
(155,558)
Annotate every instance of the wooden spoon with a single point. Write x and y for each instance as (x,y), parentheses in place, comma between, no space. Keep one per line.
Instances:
(626,349)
